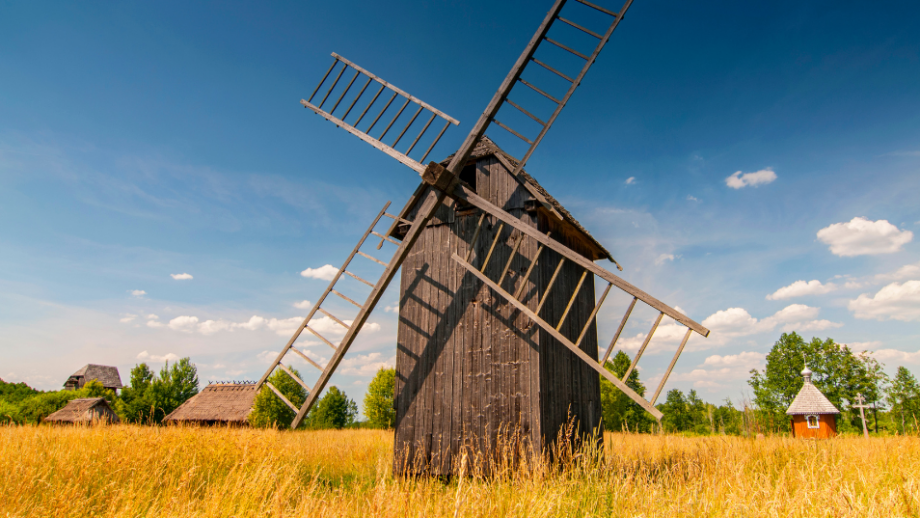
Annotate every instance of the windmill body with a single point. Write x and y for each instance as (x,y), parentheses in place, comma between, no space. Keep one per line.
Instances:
(497,322)
(470,366)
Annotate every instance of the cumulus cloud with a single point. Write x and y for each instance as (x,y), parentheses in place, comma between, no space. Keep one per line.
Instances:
(739,179)
(144,355)
(303,304)
(690,197)
(137,293)
(731,323)
(864,346)
(392,309)
(801,289)
(661,259)
(127,318)
(897,356)
(631,180)
(905,272)
(861,236)
(154,323)
(366,364)
(152,317)
(323,273)
(730,367)
(185,323)
(896,301)
(181,276)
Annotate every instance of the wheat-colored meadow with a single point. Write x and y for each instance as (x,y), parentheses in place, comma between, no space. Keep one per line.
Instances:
(218,472)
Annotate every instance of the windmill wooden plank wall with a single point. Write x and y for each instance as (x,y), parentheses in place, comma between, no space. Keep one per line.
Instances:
(469,365)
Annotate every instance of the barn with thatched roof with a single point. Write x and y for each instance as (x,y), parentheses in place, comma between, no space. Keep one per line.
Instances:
(84,410)
(105,374)
(218,403)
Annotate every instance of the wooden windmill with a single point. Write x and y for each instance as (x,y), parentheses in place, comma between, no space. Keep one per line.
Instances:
(497,299)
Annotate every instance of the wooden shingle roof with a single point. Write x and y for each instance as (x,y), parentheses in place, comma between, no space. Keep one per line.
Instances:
(810,400)
(217,403)
(107,375)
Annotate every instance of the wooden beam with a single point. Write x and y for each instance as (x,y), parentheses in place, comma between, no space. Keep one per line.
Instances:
(470,197)
(434,200)
(294,377)
(562,339)
(648,338)
(671,366)
(616,336)
(281,396)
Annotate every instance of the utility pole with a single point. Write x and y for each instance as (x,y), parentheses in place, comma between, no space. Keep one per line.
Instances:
(862,413)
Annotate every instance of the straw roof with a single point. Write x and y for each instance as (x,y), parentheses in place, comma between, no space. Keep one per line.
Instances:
(84,410)
(810,400)
(217,403)
(106,375)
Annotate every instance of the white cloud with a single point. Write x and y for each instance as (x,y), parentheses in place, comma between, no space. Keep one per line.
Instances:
(366,364)
(739,180)
(864,346)
(814,325)
(895,301)
(152,317)
(732,367)
(861,236)
(303,304)
(664,257)
(802,288)
(137,293)
(896,356)
(323,273)
(127,318)
(904,272)
(690,197)
(631,180)
(209,327)
(267,356)
(185,323)
(747,360)
(154,323)
(181,276)
(144,355)
(731,323)
(392,309)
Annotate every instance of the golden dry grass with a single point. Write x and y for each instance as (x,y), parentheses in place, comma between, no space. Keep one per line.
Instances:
(146,471)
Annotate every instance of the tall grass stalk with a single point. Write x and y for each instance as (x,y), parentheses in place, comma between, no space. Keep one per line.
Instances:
(126,470)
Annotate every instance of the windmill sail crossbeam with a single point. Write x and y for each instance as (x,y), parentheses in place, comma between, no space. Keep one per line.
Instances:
(372,106)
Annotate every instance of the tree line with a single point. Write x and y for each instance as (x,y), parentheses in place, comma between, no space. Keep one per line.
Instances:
(838,372)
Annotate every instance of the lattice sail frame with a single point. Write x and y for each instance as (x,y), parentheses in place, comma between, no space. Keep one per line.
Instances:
(446,183)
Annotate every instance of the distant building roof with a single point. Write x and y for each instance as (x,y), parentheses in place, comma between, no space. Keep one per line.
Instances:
(810,400)
(84,410)
(217,403)
(106,375)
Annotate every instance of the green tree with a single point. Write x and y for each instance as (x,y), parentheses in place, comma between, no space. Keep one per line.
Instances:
(36,407)
(133,406)
(676,410)
(333,410)
(151,397)
(268,410)
(618,411)
(378,402)
(837,372)
(904,396)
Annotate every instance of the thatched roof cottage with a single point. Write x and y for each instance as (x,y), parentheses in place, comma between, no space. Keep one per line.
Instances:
(84,410)
(218,403)
(105,374)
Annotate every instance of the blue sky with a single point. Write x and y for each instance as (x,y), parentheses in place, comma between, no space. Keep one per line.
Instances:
(754,164)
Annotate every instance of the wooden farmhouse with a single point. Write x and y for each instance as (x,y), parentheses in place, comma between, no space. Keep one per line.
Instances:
(85,410)
(106,375)
(218,403)
(813,415)
(470,367)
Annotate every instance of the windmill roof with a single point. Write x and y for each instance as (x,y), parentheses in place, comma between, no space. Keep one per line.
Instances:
(486,147)
(107,375)
(219,402)
(78,410)
(810,400)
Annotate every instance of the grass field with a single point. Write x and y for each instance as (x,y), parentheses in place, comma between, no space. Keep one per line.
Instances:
(150,471)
